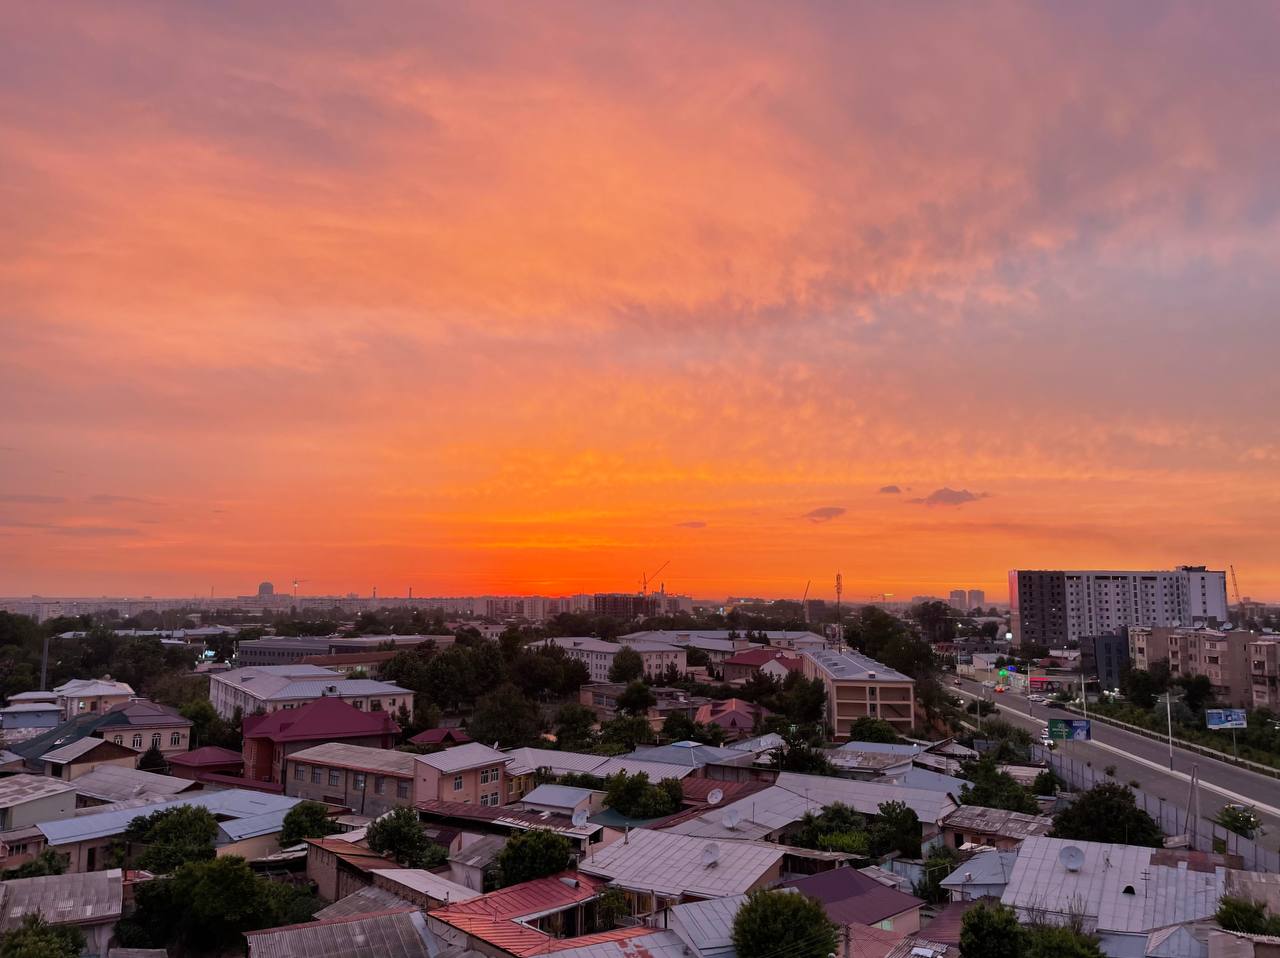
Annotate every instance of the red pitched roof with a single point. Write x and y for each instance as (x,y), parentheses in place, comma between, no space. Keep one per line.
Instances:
(206,756)
(847,896)
(731,714)
(438,736)
(759,657)
(492,917)
(323,720)
(359,856)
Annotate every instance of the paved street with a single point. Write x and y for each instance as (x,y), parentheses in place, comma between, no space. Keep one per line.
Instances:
(1134,757)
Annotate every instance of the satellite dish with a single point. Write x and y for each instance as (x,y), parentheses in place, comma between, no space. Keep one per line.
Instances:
(710,855)
(579,818)
(1072,858)
(731,817)
(715,796)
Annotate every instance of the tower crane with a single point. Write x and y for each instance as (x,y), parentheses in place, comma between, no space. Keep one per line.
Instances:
(645,579)
(804,609)
(1235,586)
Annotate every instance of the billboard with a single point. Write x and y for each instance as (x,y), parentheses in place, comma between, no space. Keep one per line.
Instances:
(1225,718)
(1070,730)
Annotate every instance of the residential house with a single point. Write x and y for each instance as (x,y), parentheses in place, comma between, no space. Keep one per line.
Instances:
(141,725)
(91,903)
(736,717)
(249,825)
(209,763)
(602,699)
(425,889)
(564,799)
(84,755)
(526,764)
(269,739)
(503,820)
(761,660)
(29,799)
(850,897)
(597,655)
(273,687)
(691,754)
(441,737)
(472,866)
(369,781)
(110,784)
(470,773)
(340,867)
(984,875)
(860,687)
(81,696)
(658,869)
(397,933)
(995,827)
(18,717)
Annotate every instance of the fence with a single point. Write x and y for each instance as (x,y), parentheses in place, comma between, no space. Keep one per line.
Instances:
(1173,818)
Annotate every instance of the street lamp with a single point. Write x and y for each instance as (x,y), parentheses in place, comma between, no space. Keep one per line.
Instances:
(1168,714)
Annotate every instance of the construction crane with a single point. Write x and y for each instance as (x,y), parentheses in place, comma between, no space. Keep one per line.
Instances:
(839,620)
(645,579)
(804,607)
(1235,586)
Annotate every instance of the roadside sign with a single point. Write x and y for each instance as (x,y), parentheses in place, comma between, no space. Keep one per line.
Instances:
(1225,718)
(1070,730)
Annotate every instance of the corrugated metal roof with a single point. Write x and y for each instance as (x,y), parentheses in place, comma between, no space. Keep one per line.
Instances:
(850,896)
(672,864)
(693,754)
(231,803)
(507,816)
(525,761)
(460,757)
(362,902)
(428,883)
(656,771)
(998,821)
(637,943)
(359,757)
(82,898)
(707,926)
(854,667)
(557,796)
(25,788)
(74,750)
(112,783)
(930,806)
(402,934)
(1117,887)
(346,688)
(984,868)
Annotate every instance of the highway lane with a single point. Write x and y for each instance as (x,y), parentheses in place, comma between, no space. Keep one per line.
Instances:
(1145,761)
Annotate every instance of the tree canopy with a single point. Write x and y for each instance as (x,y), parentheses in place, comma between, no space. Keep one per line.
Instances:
(400,833)
(306,820)
(533,854)
(993,788)
(636,797)
(1107,813)
(628,665)
(173,837)
(36,938)
(636,698)
(507,717)
(770,923)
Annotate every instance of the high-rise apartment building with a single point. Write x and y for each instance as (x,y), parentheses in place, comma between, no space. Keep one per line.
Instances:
(1226,659)
(958,599)
(1264,672)
(977,598)
(1053,607)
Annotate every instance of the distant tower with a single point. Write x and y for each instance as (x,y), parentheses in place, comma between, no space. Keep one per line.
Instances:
(266,588)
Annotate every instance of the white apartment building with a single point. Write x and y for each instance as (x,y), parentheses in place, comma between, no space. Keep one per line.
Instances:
(1056,607)
(597,654)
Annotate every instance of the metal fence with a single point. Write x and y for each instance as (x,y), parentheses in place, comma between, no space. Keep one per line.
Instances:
(1173,818)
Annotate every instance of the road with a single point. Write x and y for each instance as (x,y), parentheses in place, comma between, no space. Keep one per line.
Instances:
(1147,762)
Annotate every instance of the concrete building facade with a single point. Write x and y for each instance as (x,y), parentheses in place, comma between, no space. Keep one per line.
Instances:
(860,687)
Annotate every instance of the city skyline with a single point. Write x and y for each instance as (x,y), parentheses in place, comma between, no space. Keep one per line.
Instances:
(519,301)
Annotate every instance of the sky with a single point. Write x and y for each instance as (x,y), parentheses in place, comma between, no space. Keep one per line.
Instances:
(532,298)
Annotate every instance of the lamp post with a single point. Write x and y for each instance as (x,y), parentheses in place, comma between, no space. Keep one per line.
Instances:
(1168,714)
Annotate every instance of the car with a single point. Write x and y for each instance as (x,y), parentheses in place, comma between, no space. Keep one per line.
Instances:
(1002,688)
(956,683)
(1037,699)
(988,684)
(1045,741)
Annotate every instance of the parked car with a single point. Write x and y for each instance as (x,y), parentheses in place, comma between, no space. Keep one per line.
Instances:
(1038,699)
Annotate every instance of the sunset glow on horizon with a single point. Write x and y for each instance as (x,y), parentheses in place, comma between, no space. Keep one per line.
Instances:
(479,298)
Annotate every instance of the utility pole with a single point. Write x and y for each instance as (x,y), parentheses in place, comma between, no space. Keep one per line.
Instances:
(1168,714)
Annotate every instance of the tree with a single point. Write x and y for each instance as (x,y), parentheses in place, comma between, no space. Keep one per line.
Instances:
(36,938)
(635,797)
(624,734)
(942,861)
(574,728)
(306,820)
(507,717)
(836,828)
(210,728)
(993,788)
(627,665)
(1242,821)
(173,837)
(48,862)
(1059,941)
(636,699)
(1250,917)
(533,854)
(153,760)
(770,923)
(1107,813)
(611,908)
(867,729)
(800,752)
(1046,783)
(990,931)
(1141,687)
(400,833)
(803,701)
(897,828)
(1197,691)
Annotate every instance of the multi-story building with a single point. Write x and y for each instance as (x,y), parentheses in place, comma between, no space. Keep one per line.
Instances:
(272,687)
(776,663)
(977,599)
(1053,607)
(623,605)
(271,738)
(958,600)
(716,644)
(1104,656)
(280,650)
(1222,657)
(1264,673)
(369,781)
(860,687)
(91,696)
(141,725)
(473,774)
(597,654)
(602,698)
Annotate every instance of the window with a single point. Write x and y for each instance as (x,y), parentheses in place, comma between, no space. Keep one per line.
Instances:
(175,739)
(457,783)
(118,740)
(358,704)
(317,776)
(358,784)
(300,773)
(137,741)
(379,784)
(155,739)
(375,705)
(402,788)
(335,777)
